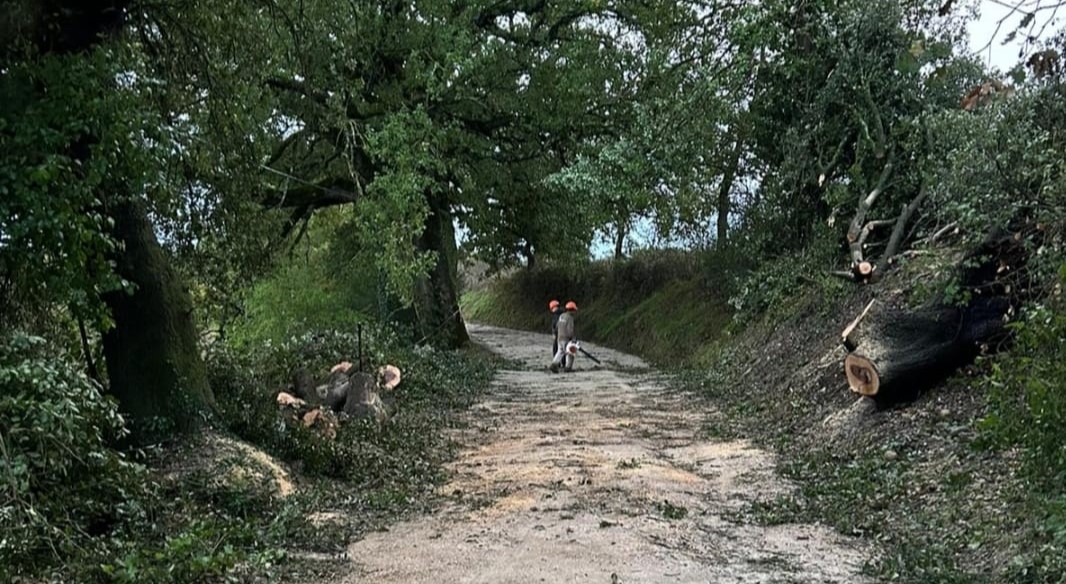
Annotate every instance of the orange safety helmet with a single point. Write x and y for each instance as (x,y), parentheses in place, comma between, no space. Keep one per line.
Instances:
(571,305)
(553,305)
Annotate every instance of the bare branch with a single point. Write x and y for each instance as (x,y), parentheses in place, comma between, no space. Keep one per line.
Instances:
(859,220)
(896,239)
(871,226)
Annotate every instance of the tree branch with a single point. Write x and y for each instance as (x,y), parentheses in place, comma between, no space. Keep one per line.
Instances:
(896,239)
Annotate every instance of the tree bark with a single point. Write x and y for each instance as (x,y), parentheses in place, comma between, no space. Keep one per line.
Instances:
(152,354)
(724,203)
(858,229)
(437,317)
(620,240)
(895,241)
(530,255)
(87,353)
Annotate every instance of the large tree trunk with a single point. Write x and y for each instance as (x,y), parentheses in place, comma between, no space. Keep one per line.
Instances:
(530,255)
(898,353)
(437,314)
(620,241)
(153,359)
(895,353)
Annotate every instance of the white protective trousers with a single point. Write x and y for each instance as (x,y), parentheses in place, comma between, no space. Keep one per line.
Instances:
(561,355)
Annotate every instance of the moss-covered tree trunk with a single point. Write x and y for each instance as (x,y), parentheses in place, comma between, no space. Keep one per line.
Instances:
(438,320)
(153,358)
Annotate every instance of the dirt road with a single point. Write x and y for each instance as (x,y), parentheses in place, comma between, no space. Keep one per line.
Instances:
(601,475)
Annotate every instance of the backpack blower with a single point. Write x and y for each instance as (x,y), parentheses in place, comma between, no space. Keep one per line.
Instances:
(573,347)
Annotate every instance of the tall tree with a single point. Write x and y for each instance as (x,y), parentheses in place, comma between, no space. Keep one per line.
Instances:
(75,165)
(421,114)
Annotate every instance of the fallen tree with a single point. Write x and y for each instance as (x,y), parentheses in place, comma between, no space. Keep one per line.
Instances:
(895,352)
(899,352)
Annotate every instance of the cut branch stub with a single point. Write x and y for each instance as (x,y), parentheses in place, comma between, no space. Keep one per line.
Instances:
(845,336)
(862,271)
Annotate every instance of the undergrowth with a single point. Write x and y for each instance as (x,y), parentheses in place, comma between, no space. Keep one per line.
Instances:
(402,456)
(76,508)
(1026,389)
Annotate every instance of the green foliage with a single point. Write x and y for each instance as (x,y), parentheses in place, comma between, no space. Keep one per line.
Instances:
(58,151)
(671,511)
(313,288)
(74,508)
(61,481)
(768,290)
(212,549)
(1003,163)
(1027,409)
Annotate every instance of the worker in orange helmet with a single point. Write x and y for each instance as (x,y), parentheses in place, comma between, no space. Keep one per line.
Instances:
(556,310)
(564,334)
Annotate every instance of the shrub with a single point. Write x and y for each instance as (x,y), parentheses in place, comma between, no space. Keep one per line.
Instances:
(1027,408)
(1027,393)
(61,482)
(770,287)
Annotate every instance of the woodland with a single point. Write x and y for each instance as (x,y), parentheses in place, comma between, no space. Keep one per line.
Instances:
(200,197)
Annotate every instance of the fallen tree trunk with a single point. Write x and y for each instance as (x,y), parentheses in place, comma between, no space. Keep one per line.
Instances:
(894,353)
(898,352)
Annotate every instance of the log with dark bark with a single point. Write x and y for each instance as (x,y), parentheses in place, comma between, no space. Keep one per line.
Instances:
(363,400)
(303,386)
(335,391)
(895,353)
(898,353)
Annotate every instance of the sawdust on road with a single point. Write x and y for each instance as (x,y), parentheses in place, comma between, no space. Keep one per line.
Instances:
(601,475)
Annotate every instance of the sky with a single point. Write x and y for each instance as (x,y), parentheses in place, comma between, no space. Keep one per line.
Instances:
(983,30)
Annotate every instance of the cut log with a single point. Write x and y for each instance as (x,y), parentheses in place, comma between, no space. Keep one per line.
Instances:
(288,400)
(363,400)
(863,271)
(898,353)
(335,392)
(343,367)
(303,386)
(390,377)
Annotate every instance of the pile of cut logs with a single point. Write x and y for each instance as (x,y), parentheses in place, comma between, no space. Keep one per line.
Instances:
(347,393)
